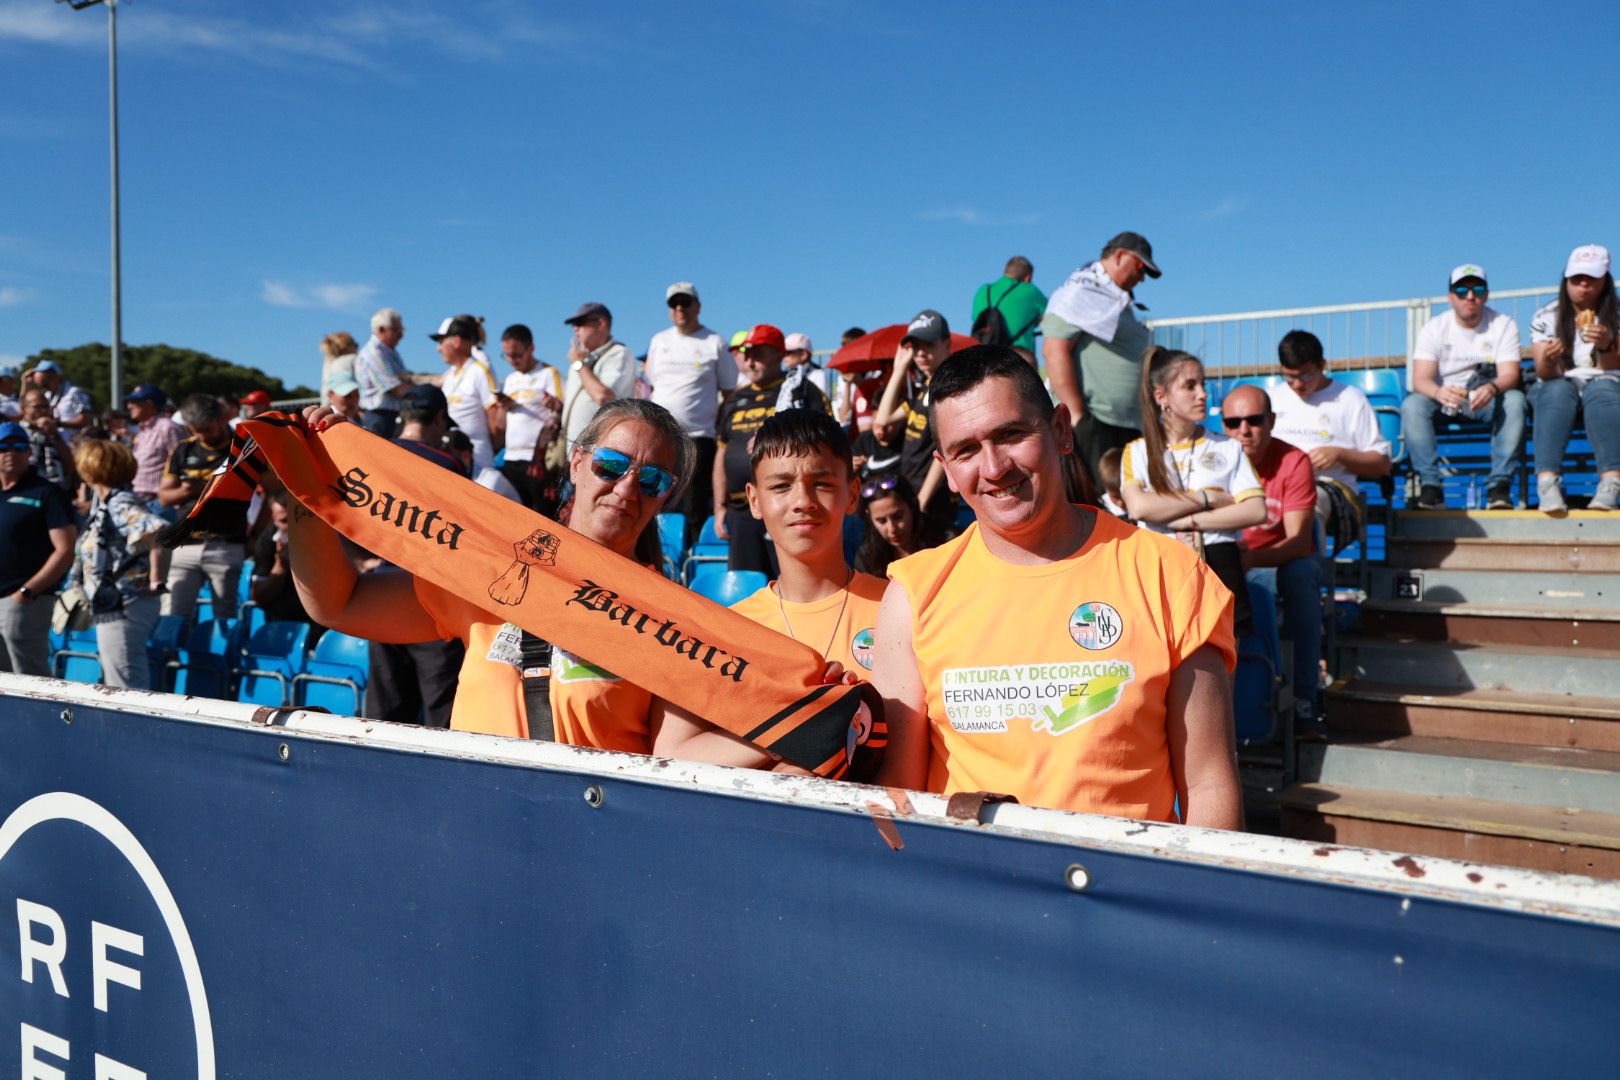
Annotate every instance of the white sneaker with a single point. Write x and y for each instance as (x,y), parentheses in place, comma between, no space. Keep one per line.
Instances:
(1608,495)
(1550,494)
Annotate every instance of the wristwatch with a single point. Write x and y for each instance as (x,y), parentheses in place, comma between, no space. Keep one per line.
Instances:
(576,365)
(28,594)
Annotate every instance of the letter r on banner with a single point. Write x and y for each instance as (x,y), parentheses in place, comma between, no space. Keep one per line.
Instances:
(30,948)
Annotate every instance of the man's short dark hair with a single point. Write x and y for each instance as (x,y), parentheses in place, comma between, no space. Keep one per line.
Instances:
(793,432)
(964,370)
(1298,348)
(420,414)
(518,332)
(851,334)
(1019,267)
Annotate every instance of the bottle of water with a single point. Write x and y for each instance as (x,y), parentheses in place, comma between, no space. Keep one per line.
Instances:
(1473,493)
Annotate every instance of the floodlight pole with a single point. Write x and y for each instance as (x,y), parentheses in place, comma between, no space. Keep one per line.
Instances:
(116,367)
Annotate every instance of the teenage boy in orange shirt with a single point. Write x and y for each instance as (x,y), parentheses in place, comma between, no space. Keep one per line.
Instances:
(802,488)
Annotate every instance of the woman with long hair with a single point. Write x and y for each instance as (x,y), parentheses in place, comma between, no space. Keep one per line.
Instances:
(115,562)
(1183,481)
(628,463)
(893,524)
(1576,344)
(338,351)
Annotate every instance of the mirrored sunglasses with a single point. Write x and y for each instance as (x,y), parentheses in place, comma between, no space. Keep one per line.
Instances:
(612,466)
(881,486)
(14,446)
(1478,292)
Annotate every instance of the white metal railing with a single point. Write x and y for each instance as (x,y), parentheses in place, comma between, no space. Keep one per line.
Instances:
(1371,335)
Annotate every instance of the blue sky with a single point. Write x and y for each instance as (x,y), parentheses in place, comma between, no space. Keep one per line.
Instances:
(290,165)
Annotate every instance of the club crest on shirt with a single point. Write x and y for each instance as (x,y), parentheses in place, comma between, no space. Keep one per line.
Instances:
(860,647)
(1095,625)
(1211,461)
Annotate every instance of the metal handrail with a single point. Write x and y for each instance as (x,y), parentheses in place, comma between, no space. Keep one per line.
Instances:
(1335,309)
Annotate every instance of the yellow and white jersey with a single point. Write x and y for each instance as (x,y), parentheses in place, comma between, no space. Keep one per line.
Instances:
(1208,461)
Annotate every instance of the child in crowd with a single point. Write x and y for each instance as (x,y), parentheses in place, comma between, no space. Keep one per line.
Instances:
(877,450)
(1190,483)
(1108,467)
(894,525)
(802,488)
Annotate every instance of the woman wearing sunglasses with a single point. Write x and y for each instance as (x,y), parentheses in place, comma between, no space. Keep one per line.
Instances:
(628,462)
(894,524)
(1190,483)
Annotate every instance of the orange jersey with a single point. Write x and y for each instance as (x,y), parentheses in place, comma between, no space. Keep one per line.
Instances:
(1049,682)
(849,630)
(589,705)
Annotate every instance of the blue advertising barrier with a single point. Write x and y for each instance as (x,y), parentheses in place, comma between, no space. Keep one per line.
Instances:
(193,888)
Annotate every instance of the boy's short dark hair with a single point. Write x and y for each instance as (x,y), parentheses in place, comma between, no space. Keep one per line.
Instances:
(792,432)
(967,368)
(518,332)
(1298,348)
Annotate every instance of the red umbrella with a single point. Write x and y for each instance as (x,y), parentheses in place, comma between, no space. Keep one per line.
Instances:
(871,352)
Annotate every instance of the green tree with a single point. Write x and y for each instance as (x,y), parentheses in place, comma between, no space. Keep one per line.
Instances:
(178,371)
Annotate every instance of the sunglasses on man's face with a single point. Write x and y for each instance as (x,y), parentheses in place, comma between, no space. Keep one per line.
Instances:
(14,446)
(681,301)
(1465,291)
(881,486)
(1233,422)
(613,466)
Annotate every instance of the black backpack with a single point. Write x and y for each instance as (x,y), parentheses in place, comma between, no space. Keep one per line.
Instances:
(990,328)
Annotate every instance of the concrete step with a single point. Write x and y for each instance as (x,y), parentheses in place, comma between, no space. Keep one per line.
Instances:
(1474,830)
(1441,667)
(1587,780)
(1576,526)
(1503,716)
(1587,589)
(1494,624)
(1586,554)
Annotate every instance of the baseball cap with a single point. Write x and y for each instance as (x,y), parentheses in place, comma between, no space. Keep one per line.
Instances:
(796,342)
(11,431)
(737,340)
(48,365)
(425,396)
(928,325)
(258,397)
(457,326)
(682,288)
(343,386)
(1467,270)
(1589,259)
(147,392)
(589,311)
(1137,245)
(765,334)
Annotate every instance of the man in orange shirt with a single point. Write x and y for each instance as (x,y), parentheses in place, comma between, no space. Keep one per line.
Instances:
(1052,652)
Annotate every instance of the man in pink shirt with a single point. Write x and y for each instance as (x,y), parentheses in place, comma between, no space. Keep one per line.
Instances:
(155,437)
(1281,554)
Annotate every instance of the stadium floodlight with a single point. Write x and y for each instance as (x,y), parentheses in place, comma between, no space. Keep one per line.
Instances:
(116,368)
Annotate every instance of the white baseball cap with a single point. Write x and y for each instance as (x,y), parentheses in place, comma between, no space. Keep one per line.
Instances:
(682,288)
(1467,270)
(1589,259)
(798,341)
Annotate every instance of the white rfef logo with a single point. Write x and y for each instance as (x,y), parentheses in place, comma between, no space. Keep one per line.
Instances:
(116,954)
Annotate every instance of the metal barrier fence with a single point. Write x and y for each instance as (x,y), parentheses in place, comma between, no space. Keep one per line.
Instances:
(1370,335)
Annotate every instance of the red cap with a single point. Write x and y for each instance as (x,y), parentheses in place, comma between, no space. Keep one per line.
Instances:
(765,334)
(258,397)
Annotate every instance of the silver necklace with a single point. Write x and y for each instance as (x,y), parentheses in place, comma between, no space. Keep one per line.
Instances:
(849,577)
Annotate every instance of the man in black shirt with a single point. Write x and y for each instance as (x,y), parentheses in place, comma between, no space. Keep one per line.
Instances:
(760,362)
(218,557)
(36,548)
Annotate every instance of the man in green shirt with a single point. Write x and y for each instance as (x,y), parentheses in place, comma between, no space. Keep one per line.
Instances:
(1094,344)
(1020,303)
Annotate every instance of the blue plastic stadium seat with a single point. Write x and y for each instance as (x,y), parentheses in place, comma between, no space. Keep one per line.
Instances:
(724,586)
(706,549)
(244,584)
(335,676)
(273,655)
(672,540)
(77,660)
(163,646)
(1254,684)
(203,667)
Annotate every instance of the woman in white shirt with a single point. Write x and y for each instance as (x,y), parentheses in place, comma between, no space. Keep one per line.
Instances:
(1184,481)
(1576,344)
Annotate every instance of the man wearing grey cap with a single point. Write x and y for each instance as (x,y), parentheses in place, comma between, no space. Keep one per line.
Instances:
(1093,346)
(691,373)
(926,344)
(599,368)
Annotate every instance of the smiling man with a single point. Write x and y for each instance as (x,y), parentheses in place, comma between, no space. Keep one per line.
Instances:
(1052,652)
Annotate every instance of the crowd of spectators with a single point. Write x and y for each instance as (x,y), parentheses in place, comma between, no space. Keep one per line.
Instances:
(1261,496)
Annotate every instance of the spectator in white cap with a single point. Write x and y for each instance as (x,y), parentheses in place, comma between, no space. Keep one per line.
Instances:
(691,373)
(69,404)
(600,368)
(1576,344)
(469,385)
(1465,373)
(799,361)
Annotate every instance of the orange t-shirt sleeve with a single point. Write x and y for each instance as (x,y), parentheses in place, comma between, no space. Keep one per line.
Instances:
(451,615)
(1203,612)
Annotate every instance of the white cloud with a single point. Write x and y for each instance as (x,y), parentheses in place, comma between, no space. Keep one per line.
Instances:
(335,295)
(1227,207)
(967,215)
(12,295)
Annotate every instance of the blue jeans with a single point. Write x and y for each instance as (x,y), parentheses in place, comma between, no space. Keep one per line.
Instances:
(1504,414)
(1301,583)
(1555,402)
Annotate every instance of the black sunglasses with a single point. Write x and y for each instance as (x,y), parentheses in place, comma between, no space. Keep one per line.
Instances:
(1479,291)
(682,301)
(1232,422)
(14,446)
(882,485)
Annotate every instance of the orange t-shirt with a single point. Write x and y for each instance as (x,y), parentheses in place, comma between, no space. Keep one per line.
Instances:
(847,626)
(1048,682)
(589,705)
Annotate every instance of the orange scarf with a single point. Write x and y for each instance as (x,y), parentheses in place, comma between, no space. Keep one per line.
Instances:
(528,570)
